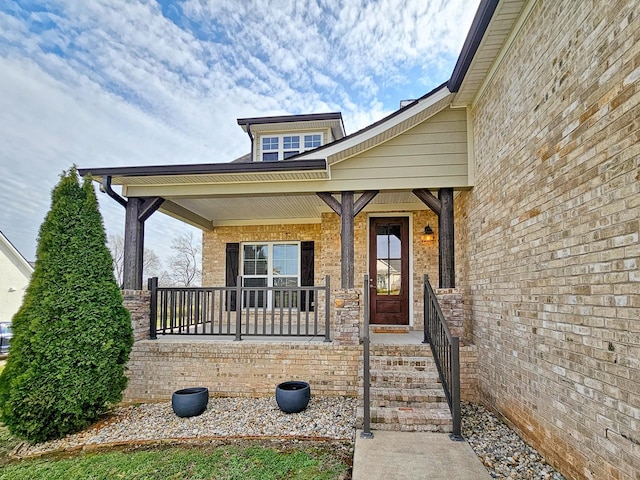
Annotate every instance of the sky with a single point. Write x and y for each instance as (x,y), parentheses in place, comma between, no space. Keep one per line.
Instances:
(105,83)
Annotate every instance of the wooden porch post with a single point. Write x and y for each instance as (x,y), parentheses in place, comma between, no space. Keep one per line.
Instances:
(347,240)
(137,212)
(443,207)
(446,252)
(133,246)
(347,210)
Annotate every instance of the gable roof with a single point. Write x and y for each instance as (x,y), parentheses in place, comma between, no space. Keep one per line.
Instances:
(15,256)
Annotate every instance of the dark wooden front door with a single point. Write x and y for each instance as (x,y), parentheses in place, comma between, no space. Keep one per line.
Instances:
(389,270)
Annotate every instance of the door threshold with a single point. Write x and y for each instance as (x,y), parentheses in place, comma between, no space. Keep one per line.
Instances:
(390,328)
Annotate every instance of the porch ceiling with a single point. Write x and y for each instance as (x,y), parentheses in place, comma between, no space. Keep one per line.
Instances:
(272,209)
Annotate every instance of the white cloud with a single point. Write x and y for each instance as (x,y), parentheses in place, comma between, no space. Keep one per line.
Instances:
(117,82)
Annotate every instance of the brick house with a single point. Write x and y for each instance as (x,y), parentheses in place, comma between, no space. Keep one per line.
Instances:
(525,164)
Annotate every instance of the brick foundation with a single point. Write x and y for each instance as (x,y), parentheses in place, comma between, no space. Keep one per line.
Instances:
(246,369)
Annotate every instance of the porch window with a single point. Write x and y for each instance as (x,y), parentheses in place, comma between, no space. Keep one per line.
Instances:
(271,265)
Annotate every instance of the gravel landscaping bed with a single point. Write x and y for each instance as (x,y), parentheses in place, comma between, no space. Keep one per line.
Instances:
(325,418)
(500,449)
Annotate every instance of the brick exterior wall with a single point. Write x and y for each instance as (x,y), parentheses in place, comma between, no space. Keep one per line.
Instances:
(550,260)
(159,367)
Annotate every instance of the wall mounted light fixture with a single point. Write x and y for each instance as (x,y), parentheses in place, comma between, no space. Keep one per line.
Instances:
(428,235)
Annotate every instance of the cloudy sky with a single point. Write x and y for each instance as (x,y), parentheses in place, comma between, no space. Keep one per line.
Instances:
(101,83)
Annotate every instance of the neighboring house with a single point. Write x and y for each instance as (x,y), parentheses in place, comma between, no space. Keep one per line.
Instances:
(527,159)
(15,272)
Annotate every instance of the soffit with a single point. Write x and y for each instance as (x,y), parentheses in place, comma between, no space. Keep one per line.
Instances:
(493,42)
(262,209)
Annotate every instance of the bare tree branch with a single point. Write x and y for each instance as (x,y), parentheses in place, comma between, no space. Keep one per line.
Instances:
(185,269)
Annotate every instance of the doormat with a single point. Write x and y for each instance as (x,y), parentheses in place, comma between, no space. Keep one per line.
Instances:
(390,330)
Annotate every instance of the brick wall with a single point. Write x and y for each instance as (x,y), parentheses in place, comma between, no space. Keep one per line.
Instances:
(552,235)
(159,367)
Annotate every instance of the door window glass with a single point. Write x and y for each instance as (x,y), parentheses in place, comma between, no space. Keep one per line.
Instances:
(389,259)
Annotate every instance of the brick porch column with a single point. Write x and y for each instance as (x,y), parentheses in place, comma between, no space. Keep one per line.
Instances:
(346,316)
(138,302)
(452,307)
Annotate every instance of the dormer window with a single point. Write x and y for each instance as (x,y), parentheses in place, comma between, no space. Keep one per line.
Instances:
(281,147)
(291,146)
(312,141)
(270,149)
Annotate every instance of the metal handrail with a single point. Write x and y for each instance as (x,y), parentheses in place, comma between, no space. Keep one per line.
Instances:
(446,353)
(239,311)
(366,367)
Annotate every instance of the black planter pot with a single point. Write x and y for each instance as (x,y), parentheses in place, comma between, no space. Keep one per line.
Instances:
(190,402)
(293,396)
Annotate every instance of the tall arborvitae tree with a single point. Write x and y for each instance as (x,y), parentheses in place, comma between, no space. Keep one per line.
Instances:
(72,335)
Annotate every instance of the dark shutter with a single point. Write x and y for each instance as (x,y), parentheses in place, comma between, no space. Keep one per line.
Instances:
(232,271)
(307,274)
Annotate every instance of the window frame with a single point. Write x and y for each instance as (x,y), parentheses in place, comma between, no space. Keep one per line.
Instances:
(270,276)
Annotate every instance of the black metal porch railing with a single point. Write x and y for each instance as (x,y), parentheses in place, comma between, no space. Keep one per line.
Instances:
(261,311)
(366,365)
(446,353)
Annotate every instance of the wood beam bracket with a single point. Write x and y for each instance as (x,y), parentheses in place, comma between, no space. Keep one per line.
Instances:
(149,207)
(331,201)
(358,205)
(429,199)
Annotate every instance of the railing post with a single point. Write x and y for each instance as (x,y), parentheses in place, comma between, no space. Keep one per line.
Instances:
(366,380)
(152,284)
(327,306)
(455,390)
(425,309)
(238,309)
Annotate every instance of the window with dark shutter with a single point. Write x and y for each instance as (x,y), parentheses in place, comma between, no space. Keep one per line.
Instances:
(232,272)
(307,274)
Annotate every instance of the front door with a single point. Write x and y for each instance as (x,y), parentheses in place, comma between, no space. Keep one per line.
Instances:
(389,270)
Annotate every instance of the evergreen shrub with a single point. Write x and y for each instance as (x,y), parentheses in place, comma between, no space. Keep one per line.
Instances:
(72,334)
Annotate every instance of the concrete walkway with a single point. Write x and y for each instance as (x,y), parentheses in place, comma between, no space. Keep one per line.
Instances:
(415,456)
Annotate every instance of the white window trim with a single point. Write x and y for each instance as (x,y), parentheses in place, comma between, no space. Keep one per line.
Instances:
(281,150)
(270,276)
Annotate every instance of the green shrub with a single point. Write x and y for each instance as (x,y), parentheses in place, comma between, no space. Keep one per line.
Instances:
(72,334)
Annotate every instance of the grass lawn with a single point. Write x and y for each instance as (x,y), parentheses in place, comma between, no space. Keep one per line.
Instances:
(249,460)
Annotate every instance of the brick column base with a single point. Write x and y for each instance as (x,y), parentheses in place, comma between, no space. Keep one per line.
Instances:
(138,302)
(346,317)
(450,300)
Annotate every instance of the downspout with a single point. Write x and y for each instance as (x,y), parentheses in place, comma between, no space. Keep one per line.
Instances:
(250,137)
(106,187)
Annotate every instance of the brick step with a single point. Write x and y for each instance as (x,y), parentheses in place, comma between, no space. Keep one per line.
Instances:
(403,379)
(408,397)
(418,350)
(405,362)
(407,419)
